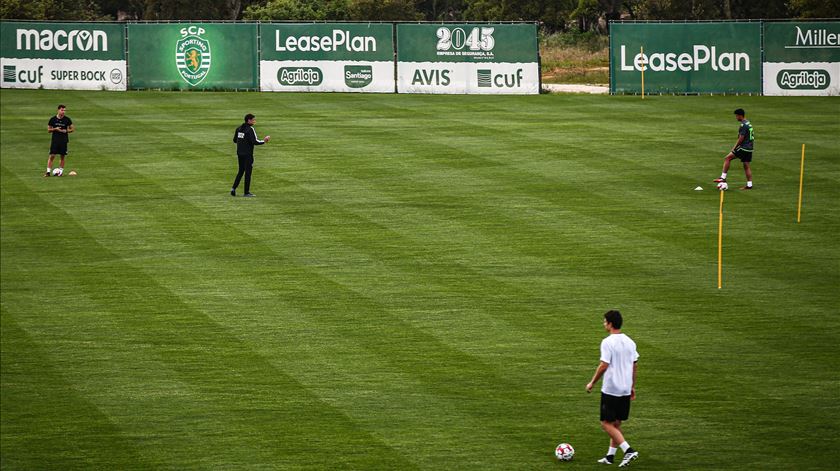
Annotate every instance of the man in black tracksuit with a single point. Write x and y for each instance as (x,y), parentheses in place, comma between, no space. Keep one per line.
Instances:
(245,139)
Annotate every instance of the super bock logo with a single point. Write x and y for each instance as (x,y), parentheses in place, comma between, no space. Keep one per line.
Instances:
(192,55)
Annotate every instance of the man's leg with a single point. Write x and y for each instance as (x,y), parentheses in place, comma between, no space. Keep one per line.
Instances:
(49,164)
(62,161)
(727,161)
(238,175)
(613,429)
(609,458)
(748,172)
(249,166)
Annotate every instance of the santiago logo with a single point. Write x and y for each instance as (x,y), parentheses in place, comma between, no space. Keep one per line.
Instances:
(358,76)
(192,55)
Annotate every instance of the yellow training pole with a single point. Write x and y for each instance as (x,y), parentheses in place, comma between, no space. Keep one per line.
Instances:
(642,53)
(801,175)
(720,243)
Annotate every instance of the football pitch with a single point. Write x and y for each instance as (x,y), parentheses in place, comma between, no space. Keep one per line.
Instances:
(419,283)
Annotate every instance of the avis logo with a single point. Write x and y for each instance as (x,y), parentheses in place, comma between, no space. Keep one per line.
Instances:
(433,77)
(486,79)
(192,55)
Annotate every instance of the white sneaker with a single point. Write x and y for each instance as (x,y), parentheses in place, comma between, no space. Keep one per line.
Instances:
(608,459)
(628,457)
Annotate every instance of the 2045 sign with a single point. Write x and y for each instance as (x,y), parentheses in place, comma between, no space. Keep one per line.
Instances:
(478,39)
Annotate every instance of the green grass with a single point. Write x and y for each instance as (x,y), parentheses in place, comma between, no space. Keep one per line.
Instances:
(418,285)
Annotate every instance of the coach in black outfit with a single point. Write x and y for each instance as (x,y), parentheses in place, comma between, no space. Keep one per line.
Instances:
(245,139)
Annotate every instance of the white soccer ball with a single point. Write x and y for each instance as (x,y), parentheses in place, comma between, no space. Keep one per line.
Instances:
(564,452)
(722,186)
(57,172)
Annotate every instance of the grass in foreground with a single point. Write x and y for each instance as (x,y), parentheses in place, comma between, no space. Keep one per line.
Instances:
(418,284)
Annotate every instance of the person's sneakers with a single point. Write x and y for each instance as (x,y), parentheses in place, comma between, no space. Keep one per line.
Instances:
(250,195)
(607,459)
(628,457)
(232,192)
(719,180)
(746,188)
(47,173)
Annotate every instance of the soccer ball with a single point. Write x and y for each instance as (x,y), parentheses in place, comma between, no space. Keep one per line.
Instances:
(564,452)
(57,172)
(722,186)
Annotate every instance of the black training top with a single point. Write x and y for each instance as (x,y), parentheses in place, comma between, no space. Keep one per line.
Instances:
(746,130)
(60,123)
(246,138)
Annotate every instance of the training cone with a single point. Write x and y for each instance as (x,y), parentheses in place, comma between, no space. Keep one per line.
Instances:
(699,188)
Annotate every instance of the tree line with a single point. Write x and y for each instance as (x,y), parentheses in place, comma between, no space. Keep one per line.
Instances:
(553,15)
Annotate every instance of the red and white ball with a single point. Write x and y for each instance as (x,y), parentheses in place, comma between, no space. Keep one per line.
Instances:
(564,452)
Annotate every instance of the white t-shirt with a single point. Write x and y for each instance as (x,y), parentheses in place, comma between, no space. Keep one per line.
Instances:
(620,352)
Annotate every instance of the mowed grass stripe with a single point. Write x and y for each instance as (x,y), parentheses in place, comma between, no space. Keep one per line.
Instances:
(369,342)
(211,376)
(46,413)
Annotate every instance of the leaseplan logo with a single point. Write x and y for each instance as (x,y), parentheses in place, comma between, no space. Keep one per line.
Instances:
(192,55)
(813,79)
(358,76)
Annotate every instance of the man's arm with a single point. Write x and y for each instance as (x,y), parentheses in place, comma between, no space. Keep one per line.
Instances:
(256,140)
(633,388)
(741,138)
(602,368)
(71,128)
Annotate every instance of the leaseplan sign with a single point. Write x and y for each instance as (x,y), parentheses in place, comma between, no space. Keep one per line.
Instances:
(685,58)
(802,58)
(75,56)
(346,57)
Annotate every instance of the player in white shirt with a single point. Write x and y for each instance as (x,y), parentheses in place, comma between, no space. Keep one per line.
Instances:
(618,367)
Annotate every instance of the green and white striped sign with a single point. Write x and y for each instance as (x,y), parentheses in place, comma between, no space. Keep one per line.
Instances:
(467,58)
(802,58)
(68,56)
(345,57)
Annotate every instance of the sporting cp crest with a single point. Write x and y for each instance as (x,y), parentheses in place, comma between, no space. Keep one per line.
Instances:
(192,55)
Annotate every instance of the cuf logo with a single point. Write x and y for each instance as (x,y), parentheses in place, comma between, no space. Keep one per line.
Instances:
(192,55)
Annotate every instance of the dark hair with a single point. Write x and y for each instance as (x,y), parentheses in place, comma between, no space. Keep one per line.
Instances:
(60,107)
(740,112)
(249,117)
(613,317)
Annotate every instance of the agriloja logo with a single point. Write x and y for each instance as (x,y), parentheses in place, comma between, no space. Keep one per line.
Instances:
(61,40)
(700,55)
(192,55)
(300,76)
(813,79)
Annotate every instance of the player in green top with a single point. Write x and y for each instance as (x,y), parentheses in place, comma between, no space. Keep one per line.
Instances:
(743,150)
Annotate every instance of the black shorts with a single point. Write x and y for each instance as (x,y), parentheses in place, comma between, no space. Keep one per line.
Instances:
(614,407)
(744,155)
(58,148)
